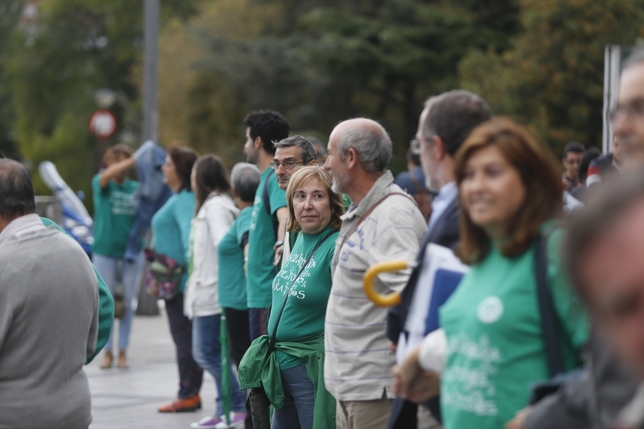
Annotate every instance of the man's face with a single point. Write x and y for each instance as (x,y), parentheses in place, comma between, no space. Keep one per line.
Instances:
(427,157)
(252,154)
(339,169)
(571,163)
(612,271)
(289,160)
(628,120)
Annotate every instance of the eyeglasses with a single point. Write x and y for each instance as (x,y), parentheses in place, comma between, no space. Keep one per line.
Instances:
(634,109)
(288,165)
(415,146)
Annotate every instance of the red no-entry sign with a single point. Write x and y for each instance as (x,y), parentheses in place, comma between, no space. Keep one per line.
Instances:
(102,123)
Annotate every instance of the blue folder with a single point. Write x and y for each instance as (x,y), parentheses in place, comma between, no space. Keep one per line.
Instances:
(445,283)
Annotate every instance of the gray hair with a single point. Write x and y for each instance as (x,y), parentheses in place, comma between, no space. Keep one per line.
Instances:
(16,189)
(452,116)
(371,143)
(636,59)
(245,179)
(307,151)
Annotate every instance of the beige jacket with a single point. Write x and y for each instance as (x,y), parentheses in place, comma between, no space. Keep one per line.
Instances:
(358,361)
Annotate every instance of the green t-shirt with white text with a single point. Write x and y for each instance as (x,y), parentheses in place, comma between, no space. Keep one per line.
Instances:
(114,214)
(305,308)
(494,336)
(261,239)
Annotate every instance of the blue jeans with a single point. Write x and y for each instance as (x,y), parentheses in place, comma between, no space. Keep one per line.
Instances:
(106,267)
(206,350)
(299,399)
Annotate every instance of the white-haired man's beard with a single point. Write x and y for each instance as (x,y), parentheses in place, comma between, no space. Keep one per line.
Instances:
(340,183)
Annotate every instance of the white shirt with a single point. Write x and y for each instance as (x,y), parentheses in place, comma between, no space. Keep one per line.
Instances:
(23,224)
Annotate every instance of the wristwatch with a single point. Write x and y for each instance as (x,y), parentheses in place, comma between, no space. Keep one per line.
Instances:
(278,243)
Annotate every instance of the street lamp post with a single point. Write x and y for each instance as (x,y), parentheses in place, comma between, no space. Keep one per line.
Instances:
(147,305)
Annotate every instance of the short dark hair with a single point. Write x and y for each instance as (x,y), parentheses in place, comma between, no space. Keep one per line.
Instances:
(453,115)
(210,176)
(574,147)
(16,190)
(269,125)
(184,159)
(245,179)
(539,175)
(610,201)
(413,157)
(307,151)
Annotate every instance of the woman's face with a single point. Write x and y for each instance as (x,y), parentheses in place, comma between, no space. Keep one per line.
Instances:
(170,176)
(312,206)
(491,191)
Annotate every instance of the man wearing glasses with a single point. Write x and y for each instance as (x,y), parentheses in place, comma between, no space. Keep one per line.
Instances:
(291,154)
(443,126)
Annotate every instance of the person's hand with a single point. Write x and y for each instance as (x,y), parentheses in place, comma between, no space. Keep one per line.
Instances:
(412,382)
(518,422)
(392,346)
(278,255)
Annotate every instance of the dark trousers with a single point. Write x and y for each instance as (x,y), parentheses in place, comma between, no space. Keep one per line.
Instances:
(190,374)
(238,332)
(258,319)
(239,336)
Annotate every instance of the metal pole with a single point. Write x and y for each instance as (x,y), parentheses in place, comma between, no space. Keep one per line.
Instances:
(147,305)
(150,70)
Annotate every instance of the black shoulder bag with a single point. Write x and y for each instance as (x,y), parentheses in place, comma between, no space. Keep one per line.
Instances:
(549,327)
(257,402)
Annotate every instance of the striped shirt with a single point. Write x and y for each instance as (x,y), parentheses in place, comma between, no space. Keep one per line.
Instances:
(358,362)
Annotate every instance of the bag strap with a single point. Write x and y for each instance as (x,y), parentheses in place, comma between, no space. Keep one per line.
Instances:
(419,189)
(362,218)
(549,321)
(271,344)
(267,200)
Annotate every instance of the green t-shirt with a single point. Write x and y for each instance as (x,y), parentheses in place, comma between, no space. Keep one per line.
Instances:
(114,214)
(495,344)
(306,306)
(171,229)
(232,280)
(261,238)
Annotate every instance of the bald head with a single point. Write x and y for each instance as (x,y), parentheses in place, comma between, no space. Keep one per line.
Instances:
(16,190)
(368,138)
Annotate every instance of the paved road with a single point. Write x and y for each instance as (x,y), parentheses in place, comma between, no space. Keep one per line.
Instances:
(129,398)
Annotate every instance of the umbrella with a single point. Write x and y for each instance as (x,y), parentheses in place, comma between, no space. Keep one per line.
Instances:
(225,368)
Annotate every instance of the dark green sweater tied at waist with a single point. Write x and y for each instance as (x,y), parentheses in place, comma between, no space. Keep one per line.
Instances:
(255,371)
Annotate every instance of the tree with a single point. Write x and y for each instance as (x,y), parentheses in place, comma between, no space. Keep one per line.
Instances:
(52,72)
(552,78)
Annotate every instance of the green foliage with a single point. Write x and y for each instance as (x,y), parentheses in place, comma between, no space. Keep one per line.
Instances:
(552,77)
(50,71)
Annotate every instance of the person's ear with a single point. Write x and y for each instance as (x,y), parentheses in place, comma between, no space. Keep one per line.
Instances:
(258,143)
(234,192)
(352,157)
(438,147)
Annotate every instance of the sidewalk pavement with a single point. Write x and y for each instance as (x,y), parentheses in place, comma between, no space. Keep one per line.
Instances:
(129,398)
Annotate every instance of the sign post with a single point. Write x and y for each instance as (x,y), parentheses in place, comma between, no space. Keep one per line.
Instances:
(102,124)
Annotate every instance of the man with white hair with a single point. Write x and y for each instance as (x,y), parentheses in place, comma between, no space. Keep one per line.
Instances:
(383,224)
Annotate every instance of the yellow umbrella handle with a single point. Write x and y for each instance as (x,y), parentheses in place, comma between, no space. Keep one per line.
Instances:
(370,275)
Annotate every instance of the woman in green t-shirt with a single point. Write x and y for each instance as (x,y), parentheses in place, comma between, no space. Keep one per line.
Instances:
(115,210)
(302,289)
(509,187)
